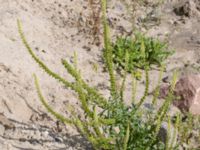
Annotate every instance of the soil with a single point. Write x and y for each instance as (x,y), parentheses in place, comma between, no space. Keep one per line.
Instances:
(55,29)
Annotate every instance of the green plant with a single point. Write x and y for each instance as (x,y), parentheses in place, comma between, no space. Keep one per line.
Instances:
(189,131)
(109,124)
(155,52)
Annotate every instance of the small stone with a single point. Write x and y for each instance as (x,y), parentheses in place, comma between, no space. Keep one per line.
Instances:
(165,79)
(149,106)
(162,135)
(45,134)
(58,139)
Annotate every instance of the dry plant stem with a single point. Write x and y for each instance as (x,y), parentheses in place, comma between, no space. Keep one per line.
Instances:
(96,19)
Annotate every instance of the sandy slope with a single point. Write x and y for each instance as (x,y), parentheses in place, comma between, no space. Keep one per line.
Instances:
(55,29)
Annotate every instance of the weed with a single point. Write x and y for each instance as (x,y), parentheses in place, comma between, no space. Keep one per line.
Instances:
(189,131)
(115,126)
(155,52)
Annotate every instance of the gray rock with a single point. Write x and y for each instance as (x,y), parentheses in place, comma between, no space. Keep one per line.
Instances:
(162,135)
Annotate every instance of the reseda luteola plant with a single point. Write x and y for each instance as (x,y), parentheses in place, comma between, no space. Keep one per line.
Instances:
(156,52)
(115,126)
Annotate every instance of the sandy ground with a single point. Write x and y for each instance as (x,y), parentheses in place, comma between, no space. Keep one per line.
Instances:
(57,28)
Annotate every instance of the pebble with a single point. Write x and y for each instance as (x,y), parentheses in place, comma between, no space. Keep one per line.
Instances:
(163,133)
(45,134)
(58,139)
